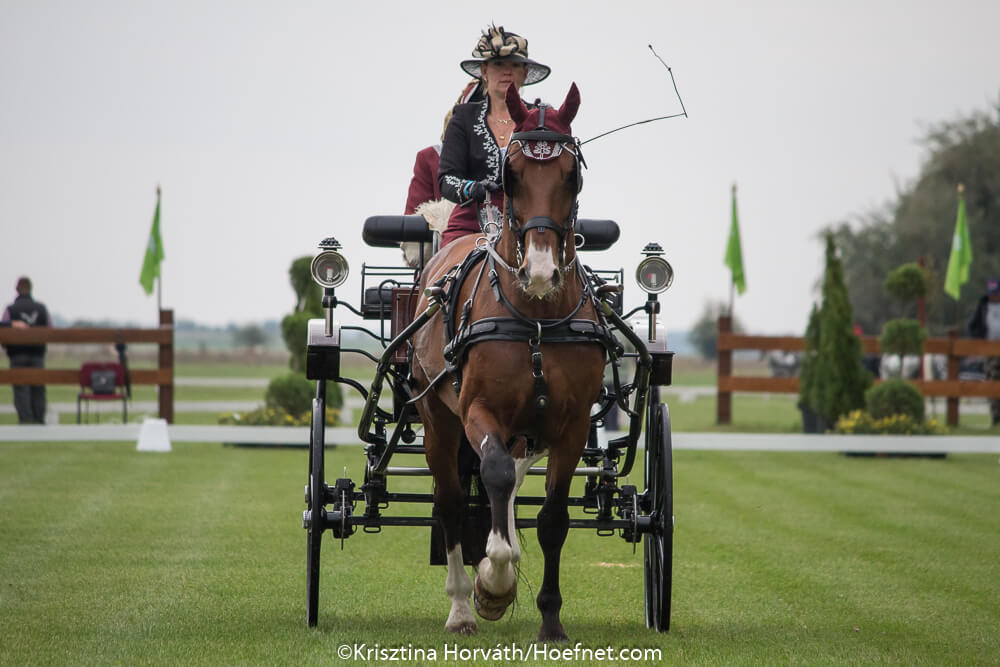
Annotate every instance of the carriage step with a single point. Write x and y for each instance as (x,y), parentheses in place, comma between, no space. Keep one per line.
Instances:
(411,471)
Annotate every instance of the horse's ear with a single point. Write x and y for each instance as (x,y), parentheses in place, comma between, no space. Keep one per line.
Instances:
(567,112)
(515,105)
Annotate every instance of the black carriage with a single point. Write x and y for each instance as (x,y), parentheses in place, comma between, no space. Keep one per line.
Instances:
(388,298)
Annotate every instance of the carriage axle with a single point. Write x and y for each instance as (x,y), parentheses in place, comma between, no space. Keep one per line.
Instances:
(341,520)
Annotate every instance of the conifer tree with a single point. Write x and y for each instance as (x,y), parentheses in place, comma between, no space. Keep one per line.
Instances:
(839,376)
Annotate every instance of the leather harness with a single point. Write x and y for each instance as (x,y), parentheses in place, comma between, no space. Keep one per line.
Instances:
(518,327)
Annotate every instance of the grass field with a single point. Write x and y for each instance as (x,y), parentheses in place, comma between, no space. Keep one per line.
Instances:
(198,557)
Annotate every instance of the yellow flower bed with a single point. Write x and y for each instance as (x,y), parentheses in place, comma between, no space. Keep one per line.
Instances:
(861,422)
(273,416)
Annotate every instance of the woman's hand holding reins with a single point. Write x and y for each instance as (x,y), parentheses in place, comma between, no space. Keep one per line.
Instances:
(479,191)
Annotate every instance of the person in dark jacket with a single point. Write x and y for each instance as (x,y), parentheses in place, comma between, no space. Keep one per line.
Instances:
(424,184)
(29,400)
(985,323)
(478,134)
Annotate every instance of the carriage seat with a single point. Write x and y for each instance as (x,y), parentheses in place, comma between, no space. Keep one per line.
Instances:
(597,234)
(388,231)
(377,303)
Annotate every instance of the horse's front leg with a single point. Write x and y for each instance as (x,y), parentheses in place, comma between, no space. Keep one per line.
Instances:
(496,578)
(553,526)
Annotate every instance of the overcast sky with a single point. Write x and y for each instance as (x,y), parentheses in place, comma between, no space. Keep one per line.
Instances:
(270,125)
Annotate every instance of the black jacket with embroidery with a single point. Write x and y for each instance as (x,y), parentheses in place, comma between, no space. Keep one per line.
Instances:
(469,152)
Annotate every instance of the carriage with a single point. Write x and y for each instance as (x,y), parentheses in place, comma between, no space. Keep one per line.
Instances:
(401,304)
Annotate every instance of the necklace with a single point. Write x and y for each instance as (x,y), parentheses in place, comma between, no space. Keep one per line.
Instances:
(505,121)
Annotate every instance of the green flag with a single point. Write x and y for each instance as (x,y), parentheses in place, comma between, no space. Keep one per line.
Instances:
(154,252)
(734,253)
(961,252)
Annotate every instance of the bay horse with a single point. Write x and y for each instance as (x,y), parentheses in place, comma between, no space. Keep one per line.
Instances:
(522,383)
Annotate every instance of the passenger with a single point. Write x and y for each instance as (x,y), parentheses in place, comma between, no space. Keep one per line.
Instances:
(424,184)
(424,195)
(477,136)
(985,323)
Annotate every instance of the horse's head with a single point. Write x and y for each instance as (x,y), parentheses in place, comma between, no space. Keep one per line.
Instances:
(541,178)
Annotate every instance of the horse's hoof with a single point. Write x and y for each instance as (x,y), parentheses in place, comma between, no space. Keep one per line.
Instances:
(464,628)
(489,606)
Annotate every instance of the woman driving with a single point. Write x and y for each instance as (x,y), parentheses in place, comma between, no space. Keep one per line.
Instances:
(477,136)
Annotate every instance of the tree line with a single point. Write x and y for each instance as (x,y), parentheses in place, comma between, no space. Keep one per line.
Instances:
(916,225)
(919,223)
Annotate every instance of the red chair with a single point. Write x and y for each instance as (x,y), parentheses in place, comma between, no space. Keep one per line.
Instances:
(102,381)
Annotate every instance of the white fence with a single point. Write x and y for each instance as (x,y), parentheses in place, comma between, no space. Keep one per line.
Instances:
(299,435)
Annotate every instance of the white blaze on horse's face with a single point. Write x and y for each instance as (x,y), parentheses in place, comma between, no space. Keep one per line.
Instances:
(539,272)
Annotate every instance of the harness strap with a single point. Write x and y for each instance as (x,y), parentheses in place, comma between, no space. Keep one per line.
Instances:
(541,388)
(513,330)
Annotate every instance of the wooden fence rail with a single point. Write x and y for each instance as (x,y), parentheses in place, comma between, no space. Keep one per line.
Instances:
(952,388)
(162,376)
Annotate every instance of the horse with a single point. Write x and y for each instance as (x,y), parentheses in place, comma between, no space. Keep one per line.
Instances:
(523,391)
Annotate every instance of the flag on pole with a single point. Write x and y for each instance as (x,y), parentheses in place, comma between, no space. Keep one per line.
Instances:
(961,251)
(734,252)
(154,252)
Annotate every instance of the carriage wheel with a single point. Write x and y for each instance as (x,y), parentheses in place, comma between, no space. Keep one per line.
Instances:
(315,500)
(658,545)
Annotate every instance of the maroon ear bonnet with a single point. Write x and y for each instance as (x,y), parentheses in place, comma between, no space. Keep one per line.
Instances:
(557,120)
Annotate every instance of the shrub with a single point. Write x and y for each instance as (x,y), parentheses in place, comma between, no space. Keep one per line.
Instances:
(308,295)
(294,327)
(859,422)
(291,392)
(907,282)
(308,305)
(895,397)
(902,336)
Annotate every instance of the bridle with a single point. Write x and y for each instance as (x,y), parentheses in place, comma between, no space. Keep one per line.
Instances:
(541,145)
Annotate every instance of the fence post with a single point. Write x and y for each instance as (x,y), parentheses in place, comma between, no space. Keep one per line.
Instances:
(166,362)
(723,399)
(952,377)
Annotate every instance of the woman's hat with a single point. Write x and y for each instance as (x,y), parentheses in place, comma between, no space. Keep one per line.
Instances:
(497,44)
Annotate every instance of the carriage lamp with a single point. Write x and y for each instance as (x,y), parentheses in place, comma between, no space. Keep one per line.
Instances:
(654,274)
(329,268)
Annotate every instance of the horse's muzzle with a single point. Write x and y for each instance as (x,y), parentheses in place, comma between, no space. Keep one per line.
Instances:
(539,273)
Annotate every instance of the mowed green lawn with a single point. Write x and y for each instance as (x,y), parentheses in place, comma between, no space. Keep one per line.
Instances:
(198,557)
